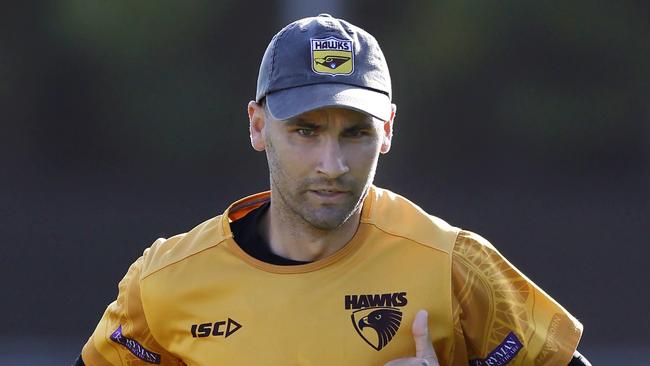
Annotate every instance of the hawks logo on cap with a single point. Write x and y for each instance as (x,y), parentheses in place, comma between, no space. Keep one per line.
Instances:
(332,56)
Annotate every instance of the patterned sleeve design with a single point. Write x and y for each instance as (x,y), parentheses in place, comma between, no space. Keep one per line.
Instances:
(500,316)
(122,336)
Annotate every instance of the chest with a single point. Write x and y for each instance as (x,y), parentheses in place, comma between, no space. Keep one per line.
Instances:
(355,312)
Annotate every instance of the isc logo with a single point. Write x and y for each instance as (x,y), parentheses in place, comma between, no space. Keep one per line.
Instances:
(216,329)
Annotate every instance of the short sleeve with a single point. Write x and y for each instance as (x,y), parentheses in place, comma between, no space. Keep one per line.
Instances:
(500,316)
(122,336)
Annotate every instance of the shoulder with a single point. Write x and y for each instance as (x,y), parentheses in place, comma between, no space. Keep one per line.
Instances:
(165,252)
(398,216)
(475,253)
(470,244)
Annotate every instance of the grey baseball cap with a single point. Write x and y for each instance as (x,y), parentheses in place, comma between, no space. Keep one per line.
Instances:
(320,62)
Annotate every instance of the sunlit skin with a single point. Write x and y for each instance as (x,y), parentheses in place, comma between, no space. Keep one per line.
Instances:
(321,164)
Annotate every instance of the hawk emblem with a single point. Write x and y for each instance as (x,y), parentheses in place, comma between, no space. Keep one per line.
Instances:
(332,56)
(377,325)
(332,61)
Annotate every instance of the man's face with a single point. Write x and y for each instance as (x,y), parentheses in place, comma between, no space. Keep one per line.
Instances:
(322,162)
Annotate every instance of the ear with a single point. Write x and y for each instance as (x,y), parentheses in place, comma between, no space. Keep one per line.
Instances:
(388,131)
(256,118)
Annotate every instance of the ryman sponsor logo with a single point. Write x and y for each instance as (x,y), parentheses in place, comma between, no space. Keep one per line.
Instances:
(502,354)
(136,348)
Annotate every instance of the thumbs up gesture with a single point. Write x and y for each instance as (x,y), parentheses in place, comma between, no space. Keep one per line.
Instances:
(425,355)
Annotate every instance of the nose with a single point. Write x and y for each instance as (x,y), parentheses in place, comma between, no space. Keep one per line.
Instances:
(332,160)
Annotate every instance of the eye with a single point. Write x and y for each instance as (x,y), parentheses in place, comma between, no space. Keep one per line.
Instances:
(306,132)
(378,316)
(356,132)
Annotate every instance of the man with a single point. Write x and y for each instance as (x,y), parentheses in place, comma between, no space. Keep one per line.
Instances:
(327,269)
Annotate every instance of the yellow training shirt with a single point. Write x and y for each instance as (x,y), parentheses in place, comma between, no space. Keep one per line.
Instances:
(198,299)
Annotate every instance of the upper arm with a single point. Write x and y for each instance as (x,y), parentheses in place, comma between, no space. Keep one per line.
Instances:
(122,336)
(500,313)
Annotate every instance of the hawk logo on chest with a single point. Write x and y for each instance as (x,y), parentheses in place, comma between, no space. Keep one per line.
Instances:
(376,317)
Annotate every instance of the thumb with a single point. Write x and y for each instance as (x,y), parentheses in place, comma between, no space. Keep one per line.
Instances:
(423,345)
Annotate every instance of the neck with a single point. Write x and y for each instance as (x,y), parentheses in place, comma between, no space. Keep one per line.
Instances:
(290,236)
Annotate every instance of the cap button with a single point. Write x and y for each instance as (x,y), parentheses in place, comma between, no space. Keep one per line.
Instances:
(325,15)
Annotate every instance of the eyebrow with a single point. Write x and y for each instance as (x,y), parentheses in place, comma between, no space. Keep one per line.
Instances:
(361,124)
(357,124)
(296,122)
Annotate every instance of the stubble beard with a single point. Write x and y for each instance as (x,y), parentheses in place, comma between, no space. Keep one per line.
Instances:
(326,218)
(293,200)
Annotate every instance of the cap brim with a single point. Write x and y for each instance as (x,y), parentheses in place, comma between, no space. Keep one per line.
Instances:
(288,103)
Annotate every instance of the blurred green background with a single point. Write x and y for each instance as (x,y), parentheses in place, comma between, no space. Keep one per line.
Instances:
(528,122)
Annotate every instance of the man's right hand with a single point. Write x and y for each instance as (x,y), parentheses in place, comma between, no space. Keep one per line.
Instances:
(425,355)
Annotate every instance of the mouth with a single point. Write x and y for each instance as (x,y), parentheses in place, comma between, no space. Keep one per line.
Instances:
(328,190)
(328,193)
